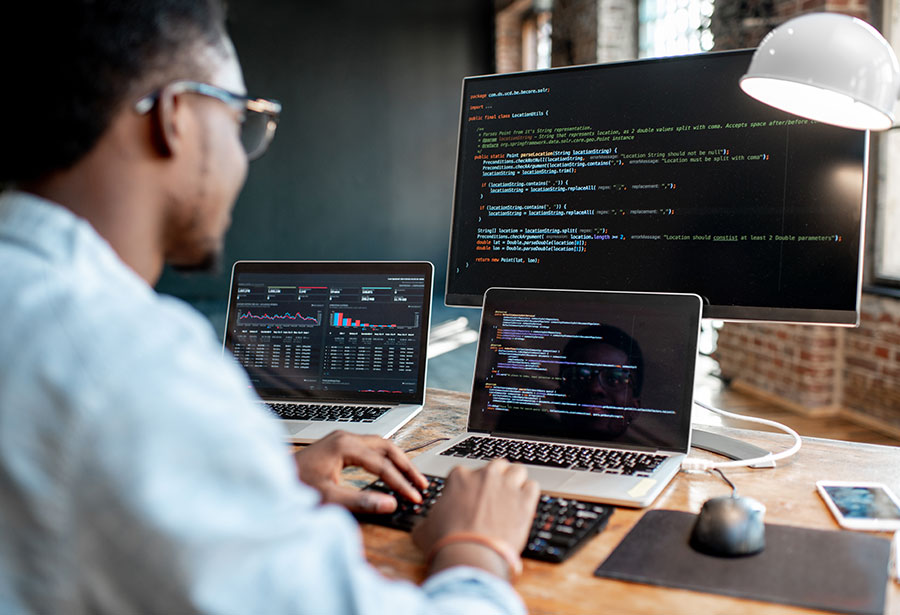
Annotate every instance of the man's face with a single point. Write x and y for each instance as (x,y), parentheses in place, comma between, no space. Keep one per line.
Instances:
(215,167)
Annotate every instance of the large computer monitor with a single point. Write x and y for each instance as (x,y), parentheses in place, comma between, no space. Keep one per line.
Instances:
(657,175)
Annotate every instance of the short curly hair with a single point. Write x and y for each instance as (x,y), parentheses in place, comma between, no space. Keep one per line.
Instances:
(69,66)
(611,336)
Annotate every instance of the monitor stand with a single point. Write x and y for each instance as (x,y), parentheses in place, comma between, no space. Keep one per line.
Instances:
(729,447)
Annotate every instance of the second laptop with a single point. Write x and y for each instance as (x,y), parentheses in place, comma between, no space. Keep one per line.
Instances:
(333,345)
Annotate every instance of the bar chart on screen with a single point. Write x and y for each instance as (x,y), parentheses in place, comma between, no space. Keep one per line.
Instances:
(339,319)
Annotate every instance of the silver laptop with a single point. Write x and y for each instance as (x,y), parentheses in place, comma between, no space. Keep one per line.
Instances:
(333,345)
(591,390)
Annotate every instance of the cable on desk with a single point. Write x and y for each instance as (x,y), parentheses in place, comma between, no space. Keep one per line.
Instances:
(704,464)
(429,443)
(725,478)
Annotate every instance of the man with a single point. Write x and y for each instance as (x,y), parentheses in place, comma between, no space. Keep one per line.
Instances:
(137,472)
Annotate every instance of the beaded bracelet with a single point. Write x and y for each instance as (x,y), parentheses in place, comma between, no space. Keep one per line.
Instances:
(512,559)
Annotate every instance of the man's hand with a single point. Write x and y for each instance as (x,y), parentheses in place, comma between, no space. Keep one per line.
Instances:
(497,501)
(319,465)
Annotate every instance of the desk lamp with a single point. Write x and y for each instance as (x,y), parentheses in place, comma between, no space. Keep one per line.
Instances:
(827,67)
(830,68)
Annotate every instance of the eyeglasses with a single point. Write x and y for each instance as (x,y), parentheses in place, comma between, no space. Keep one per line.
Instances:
(610,378)
(258,116)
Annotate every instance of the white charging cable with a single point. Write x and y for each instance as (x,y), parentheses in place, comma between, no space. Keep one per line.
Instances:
(707,464)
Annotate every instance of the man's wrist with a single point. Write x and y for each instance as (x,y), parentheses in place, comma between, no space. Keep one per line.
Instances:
(486,544)
(470,554)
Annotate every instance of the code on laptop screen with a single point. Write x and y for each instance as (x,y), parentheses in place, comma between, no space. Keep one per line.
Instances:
(587,366)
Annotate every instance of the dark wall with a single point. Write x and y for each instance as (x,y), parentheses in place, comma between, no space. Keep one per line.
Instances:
(363,161)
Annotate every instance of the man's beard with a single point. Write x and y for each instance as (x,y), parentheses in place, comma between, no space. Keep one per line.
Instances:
(210,264)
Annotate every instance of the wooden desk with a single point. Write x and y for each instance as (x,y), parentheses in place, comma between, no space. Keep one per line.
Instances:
(788,493)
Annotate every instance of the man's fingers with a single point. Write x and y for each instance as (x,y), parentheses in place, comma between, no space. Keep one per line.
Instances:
(359,501)
(403,462)
(532,490)
(517,474)
(497,467)
(375,457)
(378,456)
(397,481)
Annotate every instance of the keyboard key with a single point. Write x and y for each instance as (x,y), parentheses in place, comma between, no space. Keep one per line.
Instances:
(327,412)
(561,525)
(557,455)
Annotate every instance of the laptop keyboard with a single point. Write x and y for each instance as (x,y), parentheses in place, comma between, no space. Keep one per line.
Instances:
(561,525)
(566,456)
(323,412)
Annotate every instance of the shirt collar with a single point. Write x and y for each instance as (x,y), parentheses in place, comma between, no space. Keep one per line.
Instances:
(52,231)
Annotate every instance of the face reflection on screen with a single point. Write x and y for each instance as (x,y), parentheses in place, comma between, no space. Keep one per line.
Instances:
(602,373)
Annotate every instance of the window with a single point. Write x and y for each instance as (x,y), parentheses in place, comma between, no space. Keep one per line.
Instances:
(536,42)
(674,27)
(886,264)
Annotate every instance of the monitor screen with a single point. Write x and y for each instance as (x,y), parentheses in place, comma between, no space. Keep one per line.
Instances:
(657,175)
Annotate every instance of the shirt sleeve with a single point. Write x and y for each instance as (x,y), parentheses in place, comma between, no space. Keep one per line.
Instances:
(188,502)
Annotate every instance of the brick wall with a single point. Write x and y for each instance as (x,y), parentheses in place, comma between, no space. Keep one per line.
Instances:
(574,32)
(739,24)
(871,370)
(796,363)
(822,370)
(856,8)
(584,31)
(508,34)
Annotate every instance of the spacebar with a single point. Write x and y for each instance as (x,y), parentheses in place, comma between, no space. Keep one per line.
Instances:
(538,462)
(531,462)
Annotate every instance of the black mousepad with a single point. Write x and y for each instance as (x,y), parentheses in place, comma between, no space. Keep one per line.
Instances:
(840,571)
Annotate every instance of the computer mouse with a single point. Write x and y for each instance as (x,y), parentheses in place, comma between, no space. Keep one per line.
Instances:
(730,526)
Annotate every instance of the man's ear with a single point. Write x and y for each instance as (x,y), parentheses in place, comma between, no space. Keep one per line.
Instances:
(166,115)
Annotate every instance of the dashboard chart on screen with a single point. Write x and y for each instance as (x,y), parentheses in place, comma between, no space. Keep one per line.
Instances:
(657,175)
(330,330)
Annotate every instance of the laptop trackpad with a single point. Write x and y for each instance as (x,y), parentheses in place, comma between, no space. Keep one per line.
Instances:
(549,479)
(591,483)
(293,428)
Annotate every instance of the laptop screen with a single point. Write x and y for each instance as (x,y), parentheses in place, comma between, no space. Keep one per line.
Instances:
(584,366)
(331,331)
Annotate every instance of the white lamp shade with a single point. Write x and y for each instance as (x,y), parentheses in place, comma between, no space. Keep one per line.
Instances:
(827,67)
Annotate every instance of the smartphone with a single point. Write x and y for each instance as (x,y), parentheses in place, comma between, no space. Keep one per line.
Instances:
(861,506)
